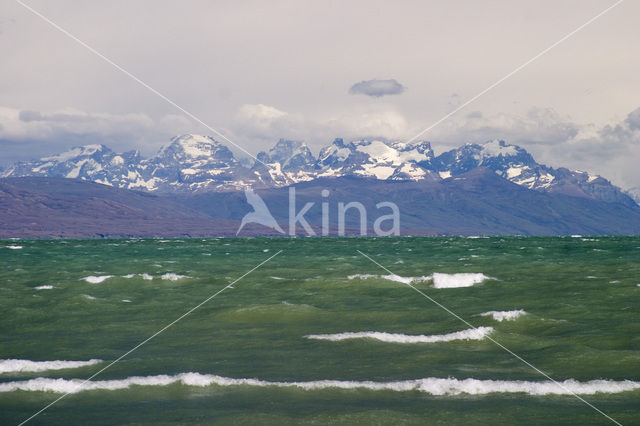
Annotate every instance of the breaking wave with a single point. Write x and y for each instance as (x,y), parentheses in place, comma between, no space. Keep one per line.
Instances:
(440,280)
(430,385)
(504,315)
(172,276)
(97,279)
(392,277)
(478,333)
(25,365)
(466,279)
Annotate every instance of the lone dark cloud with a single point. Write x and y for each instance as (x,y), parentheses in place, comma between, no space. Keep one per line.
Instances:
(377,88)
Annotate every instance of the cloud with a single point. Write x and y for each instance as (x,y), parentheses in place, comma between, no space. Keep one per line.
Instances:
(611,151)
(377,88)
(268,124)
(25,134)
(537,126)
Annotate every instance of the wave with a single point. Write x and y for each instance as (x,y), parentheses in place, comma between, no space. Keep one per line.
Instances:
(144,276)
(362,276)
(391,277)
(14,247)
(96,279)
(504,315)
(44,287)
(465,279)
(172,276)
(25,365)
(430,385)
(478,333)
(440,280)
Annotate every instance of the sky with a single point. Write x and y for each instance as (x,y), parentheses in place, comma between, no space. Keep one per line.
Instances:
(316,70)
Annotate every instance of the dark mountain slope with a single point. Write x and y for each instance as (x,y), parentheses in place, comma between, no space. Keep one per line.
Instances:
(478,202)
(52,208)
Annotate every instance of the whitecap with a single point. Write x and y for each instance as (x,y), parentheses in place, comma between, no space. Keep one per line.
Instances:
(478,333)
(398,278)
(15,247)
(25,365)
(96,279)
(440,280)
(390,277)
(44,287)
(144,276)
(361,276)
(504,315)
(171,276)
(465,279)
(430,385)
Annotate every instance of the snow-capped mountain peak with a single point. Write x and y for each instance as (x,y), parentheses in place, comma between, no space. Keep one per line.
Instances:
(192,163)
(376,159)
(194,147)
(497,148)
(77,152)
(290,155)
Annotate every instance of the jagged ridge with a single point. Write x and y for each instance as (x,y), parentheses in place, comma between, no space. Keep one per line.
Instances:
(194,163)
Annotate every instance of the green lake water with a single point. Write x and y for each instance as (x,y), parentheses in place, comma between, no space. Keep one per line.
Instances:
(244,357)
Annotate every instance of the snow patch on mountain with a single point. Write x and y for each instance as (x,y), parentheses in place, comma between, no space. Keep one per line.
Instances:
(195,163)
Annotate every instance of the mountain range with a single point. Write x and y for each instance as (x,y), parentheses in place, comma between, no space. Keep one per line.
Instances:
(196,164)
(195,186)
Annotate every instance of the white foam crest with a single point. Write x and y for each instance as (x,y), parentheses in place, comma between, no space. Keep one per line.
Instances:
(504,315)
(470,334)
(430,385)
(390,277)
(14,247)
(465,279)
(44,287)
(440,280)
(25,365)
(362,276)
(144,276)
(171,276)
(96,279)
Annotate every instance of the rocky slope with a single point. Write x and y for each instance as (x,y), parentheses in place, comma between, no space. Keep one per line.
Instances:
(196,164)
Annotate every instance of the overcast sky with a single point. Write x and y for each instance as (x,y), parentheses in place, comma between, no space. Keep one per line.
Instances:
(313,71)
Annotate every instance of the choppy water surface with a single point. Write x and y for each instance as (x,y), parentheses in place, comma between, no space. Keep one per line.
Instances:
(320,334)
